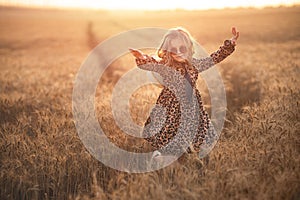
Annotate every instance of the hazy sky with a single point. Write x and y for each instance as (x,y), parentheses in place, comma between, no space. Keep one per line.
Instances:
(149,5)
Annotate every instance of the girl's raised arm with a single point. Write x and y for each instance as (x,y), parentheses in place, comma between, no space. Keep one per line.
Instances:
(225,50)
(146,62)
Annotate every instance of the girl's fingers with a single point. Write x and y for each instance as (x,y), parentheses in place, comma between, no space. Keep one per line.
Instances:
(237,35)
(233,30)
(136,53)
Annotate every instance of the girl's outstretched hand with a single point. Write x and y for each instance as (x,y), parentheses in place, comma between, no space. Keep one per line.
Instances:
(137,53)
(236,35)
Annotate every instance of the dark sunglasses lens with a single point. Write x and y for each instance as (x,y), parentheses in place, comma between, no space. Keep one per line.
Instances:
(183,49)
(173,50)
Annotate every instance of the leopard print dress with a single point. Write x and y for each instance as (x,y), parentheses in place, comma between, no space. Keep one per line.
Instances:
(178,122)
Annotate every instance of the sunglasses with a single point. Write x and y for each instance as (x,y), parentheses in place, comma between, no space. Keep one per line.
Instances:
(181,49)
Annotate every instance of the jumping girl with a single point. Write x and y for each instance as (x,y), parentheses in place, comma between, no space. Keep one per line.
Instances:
(179,109)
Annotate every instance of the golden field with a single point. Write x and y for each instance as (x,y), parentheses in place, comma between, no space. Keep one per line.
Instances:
(42,157)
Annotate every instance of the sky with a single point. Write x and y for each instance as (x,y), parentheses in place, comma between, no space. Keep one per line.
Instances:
(150,4)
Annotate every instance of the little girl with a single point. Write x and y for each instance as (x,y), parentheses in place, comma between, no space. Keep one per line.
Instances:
(179,109)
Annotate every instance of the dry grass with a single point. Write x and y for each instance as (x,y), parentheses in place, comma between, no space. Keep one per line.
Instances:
(257,156)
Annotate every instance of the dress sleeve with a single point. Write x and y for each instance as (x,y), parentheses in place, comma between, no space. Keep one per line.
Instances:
(150,64)
(205,63)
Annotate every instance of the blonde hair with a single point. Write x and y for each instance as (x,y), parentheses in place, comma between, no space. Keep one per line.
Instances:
(164,51)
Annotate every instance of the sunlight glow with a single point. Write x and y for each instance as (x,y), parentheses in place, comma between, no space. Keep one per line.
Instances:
(149,5)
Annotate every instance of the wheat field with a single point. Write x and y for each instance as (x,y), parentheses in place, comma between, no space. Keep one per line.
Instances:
(42,157)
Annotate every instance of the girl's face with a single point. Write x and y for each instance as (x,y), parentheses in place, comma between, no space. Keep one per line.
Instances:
(178,50)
